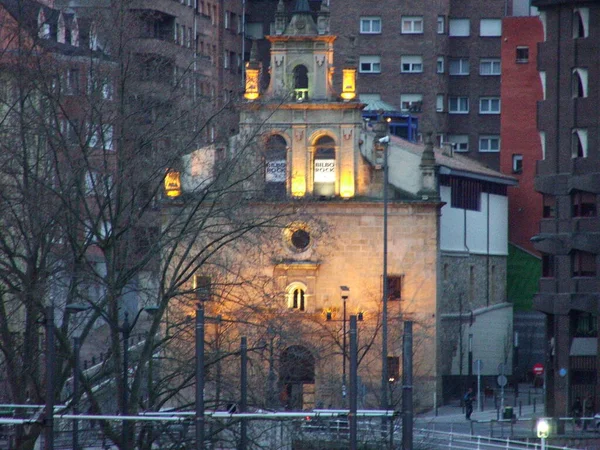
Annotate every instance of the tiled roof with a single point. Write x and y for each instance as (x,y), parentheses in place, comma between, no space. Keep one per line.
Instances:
(457,164)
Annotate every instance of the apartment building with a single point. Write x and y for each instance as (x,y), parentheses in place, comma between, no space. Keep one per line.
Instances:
(568,177)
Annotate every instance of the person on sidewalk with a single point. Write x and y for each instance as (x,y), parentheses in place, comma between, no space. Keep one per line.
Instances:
(576,411)
(588,411)
(468,399)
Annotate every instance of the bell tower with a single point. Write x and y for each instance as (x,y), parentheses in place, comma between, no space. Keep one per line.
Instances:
(301,56)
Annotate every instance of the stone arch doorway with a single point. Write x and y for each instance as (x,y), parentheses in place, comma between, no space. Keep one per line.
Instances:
(297,378)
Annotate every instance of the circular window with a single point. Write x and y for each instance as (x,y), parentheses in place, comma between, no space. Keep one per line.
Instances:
(300,239)
(297,236)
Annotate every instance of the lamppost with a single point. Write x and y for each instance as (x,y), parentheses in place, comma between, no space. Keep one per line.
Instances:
(345,290)
(75,308)
(381,145)
(50,356)
(126,330)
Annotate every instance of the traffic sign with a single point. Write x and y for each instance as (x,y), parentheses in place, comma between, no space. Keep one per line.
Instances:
(538,369)
(502,380)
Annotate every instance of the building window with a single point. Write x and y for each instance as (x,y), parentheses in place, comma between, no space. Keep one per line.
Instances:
(522,55)
(439,103)
(489,66)
(370,25)
(517,163)
(579,143)
(489,105)
(459,27)
(393,368)
(369,64)
(275,167)
(394,291)
(490,28)
(412,25)
(458,66)
(411,102)
(489,144)
(297,298)
(72,82)
(583,204)
(547,265)
(579,84)
(543,143)
(549,206)
(581,21)
(460,142)
(583,263)
(441,24)
(586,325)
(465,193)
(458,105)
(324,167)
(411,64)
(440,64)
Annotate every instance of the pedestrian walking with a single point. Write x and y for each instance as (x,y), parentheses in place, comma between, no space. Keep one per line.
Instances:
(576,411)
(588,411)
(468,399)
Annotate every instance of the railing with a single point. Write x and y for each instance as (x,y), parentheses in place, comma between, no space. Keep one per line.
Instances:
(425,438)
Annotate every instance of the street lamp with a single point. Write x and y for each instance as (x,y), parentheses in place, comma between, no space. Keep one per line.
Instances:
(345,293)
(75,308)
(543,429)
(382,139)
(126,329)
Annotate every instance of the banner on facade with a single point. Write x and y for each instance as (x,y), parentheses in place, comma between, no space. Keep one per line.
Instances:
(275,171)
(325,171)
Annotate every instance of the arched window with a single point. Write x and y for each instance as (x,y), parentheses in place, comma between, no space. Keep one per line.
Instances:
(581,22)
(301,82)
(324,167)
(275,167)
(580,83)
(296,296)
(579,143)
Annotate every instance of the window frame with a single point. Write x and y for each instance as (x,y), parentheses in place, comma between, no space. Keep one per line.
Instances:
(583,204)
(495,26)
(372,60)
(458,109)
(412,107)
(413,62)
(464,67)
(522,54)
(517,163)
(441,24)
(440,65)
(492,62)
(489,101)
(460,142)
(548,206)
(581,262)
(370,20)
(490,138)
(412,21)
(454,22)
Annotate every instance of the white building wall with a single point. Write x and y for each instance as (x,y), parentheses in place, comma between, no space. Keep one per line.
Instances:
(467,231)
(492,341)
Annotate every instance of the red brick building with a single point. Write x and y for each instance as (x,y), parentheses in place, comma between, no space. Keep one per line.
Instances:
(521,147)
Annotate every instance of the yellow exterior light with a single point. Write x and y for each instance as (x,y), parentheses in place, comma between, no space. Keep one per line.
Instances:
(251,91)
(347,185)
(298,186)
(172,184)
(349,83)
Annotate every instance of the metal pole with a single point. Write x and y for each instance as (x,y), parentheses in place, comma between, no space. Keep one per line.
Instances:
(76,346)
(50,356)
(407,387)
(353,382)
(244,392)
(125,427)
(384,315)
(344,298)
(470,361)
(199,377)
